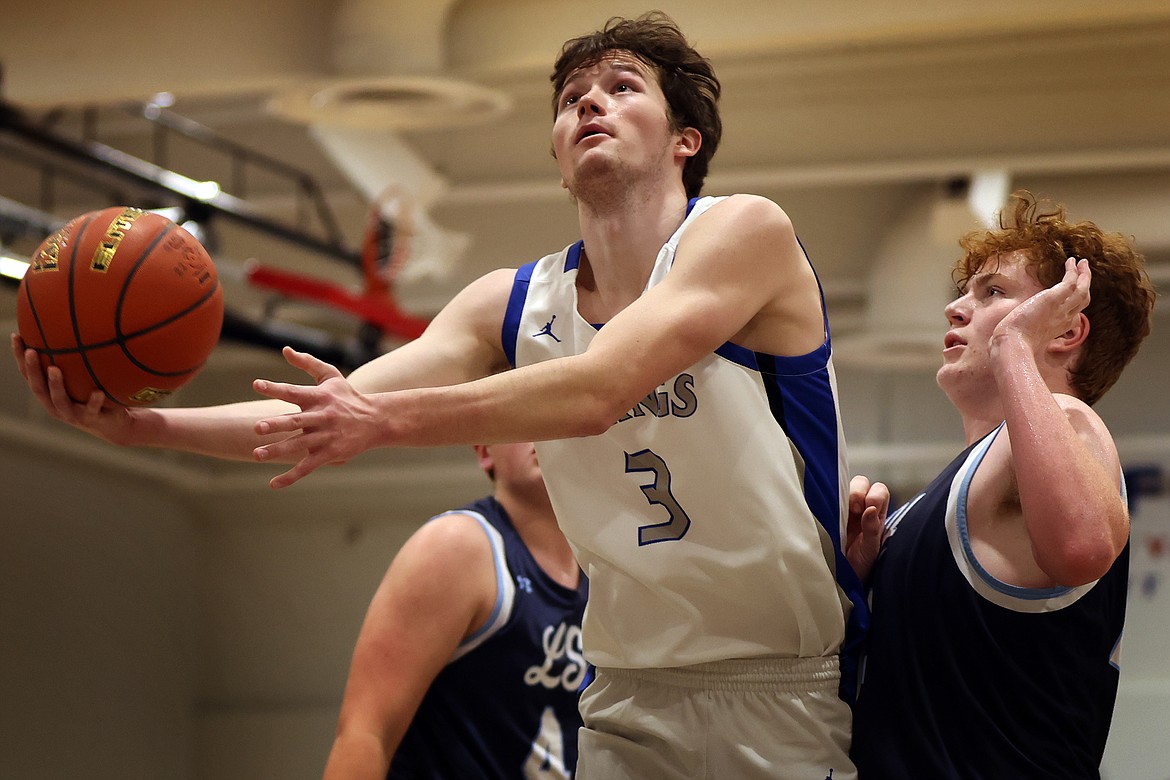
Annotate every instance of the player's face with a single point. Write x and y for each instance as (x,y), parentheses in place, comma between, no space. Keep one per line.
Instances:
(999,287)
(515,464)
(611,116)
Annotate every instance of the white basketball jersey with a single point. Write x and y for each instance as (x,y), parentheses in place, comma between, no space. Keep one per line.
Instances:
(709,518)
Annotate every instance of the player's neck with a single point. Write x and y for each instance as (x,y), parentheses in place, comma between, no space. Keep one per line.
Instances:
(981,406)
(978,408)
(630,207)
(621,246)
(534,520)
(975,427)
(537,526)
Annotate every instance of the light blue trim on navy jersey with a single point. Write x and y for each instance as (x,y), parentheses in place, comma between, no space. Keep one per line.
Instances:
(515,310)
(505,592)
(1014,591)
(1115,653)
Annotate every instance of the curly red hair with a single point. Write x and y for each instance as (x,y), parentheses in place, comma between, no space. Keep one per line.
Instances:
(1122,296)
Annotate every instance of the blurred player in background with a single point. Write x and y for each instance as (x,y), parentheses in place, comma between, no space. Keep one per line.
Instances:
(469,663)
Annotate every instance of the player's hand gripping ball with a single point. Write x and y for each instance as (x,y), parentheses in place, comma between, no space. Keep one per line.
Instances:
(124,301)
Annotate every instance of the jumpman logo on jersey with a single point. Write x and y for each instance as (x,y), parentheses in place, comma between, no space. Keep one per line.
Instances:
(547,330)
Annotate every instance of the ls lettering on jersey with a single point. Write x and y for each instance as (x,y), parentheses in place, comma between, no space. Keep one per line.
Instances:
(562,648)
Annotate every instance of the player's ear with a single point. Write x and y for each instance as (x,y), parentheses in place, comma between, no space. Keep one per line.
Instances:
(484,458)
(1073,337)
(689,142)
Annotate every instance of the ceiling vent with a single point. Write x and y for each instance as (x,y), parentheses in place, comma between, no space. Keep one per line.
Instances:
(391,103)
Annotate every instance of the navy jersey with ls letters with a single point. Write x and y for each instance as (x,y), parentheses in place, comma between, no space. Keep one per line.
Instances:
(505,707)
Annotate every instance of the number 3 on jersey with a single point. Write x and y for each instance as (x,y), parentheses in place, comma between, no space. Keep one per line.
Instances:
(658,492)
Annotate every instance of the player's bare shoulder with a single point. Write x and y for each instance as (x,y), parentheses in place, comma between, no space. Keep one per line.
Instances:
(486,296)
(472,320)
(454,537)
(1090,428)
(759,246)
(741,230)
(748,215)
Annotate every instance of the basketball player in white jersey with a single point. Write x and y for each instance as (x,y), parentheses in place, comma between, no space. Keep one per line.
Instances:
(674,369)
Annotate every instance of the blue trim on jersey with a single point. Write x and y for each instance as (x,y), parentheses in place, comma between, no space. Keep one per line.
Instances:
(800,396)
(573,256)
(515,310)
(738,355)
(804,406)
(796,365)
(821,289)
(1015,591)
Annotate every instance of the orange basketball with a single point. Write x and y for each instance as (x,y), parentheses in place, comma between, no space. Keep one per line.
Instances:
(123,301)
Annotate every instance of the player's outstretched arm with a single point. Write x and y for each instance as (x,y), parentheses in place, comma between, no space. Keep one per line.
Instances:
(440,588)
(336,418)
(739,274)
(223,431)
(458,346)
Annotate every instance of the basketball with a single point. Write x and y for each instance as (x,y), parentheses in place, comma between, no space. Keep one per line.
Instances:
(123,301)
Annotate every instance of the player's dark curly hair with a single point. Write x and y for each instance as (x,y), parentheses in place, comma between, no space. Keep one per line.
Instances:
(687,79)
(1121,295)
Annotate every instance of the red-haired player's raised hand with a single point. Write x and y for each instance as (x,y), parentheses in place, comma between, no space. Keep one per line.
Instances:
(1051,312)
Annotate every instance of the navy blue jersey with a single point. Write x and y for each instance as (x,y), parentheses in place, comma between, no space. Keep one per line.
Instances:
(969,677)
(505,706)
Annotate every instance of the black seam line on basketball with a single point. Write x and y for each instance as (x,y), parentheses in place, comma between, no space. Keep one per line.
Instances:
(77,331)
(73,308)
(142,258)
(120,341)
(32,309)
(177,316)
(119,336)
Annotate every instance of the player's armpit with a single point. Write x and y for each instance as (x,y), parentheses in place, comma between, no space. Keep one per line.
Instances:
(462,343)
